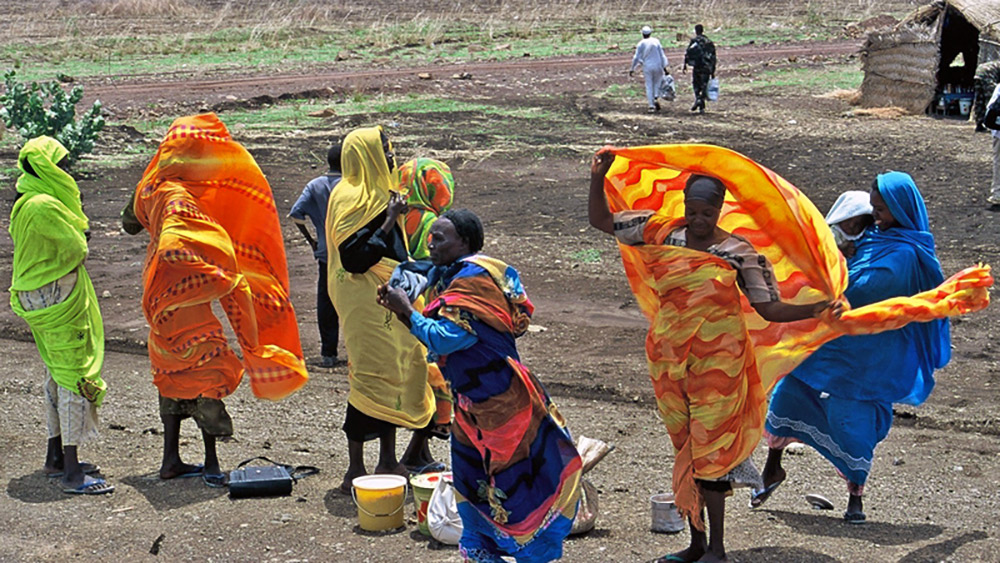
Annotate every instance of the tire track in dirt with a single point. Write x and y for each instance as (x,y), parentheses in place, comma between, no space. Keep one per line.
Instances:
(145,86)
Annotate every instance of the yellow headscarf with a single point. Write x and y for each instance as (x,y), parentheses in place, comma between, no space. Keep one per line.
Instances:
(363,190)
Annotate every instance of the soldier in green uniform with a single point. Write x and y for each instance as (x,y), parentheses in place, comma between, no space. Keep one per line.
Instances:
(700,55)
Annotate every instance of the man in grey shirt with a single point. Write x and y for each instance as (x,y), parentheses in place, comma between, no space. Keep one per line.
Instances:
(312,204)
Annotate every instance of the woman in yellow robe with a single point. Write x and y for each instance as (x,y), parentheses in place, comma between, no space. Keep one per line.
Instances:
(387,366)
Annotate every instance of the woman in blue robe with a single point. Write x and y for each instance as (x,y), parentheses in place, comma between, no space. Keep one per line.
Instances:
(839,401)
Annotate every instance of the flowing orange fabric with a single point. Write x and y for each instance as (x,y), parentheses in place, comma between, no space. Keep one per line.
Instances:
(712,358)
(214,235)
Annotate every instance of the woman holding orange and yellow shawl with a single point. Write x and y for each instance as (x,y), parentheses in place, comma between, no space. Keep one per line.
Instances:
(214,235)
(707,383)
(388,372)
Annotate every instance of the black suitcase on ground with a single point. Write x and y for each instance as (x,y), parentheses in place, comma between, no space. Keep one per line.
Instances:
(265,480)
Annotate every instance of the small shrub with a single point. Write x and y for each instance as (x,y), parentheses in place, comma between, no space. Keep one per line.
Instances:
(46,109)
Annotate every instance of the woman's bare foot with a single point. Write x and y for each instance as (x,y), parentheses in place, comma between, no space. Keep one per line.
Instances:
(776,475)
(345,485)
(57,470)
(712,558)
(855,510)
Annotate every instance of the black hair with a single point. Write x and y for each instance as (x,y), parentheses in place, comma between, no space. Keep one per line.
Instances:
(699,29)
(468,226)
(333,156)
(874,188)
(709,189)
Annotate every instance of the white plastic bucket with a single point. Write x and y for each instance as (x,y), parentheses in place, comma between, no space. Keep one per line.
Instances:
(666,518)
(964,107)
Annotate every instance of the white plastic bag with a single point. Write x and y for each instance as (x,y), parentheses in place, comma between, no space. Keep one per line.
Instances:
(586,515)
(443,520)
(592,451)
(713,90)
(666,90)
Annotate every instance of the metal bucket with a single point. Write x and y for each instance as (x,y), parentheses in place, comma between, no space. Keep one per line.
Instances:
(666,518)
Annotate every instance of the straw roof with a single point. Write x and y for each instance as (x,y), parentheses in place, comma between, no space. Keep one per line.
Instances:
(983,14)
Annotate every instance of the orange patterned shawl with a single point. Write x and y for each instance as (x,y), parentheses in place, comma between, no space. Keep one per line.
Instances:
(214,235)
(712,359)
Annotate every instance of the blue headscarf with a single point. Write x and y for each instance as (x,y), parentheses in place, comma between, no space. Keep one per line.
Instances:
(895,366)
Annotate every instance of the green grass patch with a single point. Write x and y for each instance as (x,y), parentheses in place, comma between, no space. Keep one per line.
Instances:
(294,114)
(806,80)
(587,256)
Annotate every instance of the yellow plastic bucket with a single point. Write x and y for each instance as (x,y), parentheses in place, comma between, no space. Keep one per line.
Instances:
(380,500)
(423,487)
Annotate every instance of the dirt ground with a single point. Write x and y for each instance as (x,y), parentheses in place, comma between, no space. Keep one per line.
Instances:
(934,492)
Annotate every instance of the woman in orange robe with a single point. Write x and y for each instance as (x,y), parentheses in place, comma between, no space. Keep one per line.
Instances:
(214,236)
(708,387)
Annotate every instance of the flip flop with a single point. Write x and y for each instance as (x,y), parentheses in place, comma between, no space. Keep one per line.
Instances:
(442,431)
(819,502)
(432,467)
(88,469)
(760,496)
(95,487)
(671,558)
(215,480)
(855,517)
(199,469)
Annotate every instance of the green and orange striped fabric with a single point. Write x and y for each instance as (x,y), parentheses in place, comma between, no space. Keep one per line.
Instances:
(712,359)
(214,235)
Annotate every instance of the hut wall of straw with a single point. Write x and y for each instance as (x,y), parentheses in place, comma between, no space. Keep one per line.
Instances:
(900,68)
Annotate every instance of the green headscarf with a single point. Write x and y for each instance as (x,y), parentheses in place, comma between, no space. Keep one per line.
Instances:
(44,154)
(47,222)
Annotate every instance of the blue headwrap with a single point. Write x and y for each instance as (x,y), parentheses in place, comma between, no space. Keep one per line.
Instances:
(895,366)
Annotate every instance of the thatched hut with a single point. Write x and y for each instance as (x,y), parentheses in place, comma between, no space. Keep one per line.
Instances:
(931,55)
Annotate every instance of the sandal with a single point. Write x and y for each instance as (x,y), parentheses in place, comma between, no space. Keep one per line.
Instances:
(95,487)
(855,517)
(760,496)
(671,558)
(432,467)
(215,480)
(196,470)
(442,431)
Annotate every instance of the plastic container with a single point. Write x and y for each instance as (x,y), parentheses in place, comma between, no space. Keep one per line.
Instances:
(380,500)
(713,90)
(666,518)
(423,487)
(964,106)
